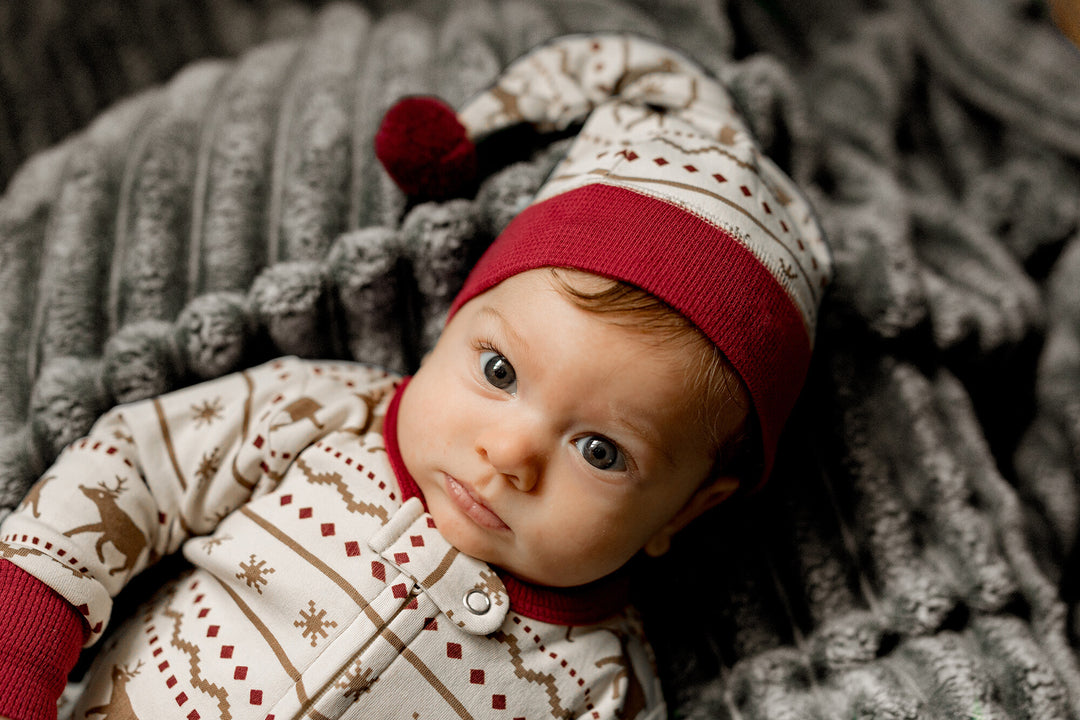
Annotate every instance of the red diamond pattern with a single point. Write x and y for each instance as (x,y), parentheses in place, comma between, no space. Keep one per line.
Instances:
(431,523)
(719,178)
(193,715)
(476,677)
(417,540)
(401,558)
(327,529)
(286,499)
(256,697)
(204,612)
(400,591)
(498,702)
(745,190)
(352,548)
(689,168)
(630,155)
(181,698)
(240,673)
(660,161)
(227,651)
(170,682)
(305,513)
(378,571)
(213,630)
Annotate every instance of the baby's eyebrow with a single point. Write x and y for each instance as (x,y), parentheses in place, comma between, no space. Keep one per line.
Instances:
(506,326)
(647,433)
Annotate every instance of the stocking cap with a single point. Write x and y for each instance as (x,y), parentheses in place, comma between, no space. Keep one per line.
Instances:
(663,188)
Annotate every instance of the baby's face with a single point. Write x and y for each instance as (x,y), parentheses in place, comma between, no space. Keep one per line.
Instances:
(548,441)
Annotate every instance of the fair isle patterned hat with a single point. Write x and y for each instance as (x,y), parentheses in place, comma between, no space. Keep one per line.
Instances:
(664,188)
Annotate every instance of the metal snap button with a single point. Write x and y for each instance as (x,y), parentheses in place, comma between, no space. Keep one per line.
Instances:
(477,602)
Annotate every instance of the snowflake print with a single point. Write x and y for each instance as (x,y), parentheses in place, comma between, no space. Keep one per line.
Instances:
(208,466)
(207,412)
(254,574)
(220,515)
(313,624)
(355,683)
(213,542)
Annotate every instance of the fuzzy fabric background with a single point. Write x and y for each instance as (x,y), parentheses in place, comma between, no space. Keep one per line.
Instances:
(916,554)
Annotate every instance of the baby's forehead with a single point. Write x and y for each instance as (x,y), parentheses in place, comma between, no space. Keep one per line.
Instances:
(674,376)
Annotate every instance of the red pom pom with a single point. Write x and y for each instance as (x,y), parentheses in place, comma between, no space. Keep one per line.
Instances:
(425,148)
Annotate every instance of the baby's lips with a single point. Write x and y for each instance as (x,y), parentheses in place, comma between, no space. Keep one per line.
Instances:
(473,506)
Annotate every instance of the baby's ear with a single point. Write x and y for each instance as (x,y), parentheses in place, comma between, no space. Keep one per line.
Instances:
(707,496)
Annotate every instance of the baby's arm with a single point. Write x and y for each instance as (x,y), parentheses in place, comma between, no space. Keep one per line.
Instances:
(152,474)
(111,505)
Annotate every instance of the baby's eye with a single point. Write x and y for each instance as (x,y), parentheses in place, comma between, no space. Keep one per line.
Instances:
(498,371)
(601,453)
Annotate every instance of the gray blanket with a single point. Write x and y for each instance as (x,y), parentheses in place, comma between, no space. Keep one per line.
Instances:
(915,555)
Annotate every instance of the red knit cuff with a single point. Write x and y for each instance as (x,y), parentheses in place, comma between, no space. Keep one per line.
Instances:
(40,640)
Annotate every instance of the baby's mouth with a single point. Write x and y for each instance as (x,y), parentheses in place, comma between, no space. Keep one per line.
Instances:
(471,505)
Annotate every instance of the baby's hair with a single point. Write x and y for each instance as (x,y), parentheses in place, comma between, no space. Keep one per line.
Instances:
(710,376)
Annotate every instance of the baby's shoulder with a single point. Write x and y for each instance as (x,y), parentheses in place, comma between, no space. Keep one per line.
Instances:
(330,378)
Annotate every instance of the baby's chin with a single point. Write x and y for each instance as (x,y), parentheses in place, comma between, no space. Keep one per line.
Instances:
(498,550)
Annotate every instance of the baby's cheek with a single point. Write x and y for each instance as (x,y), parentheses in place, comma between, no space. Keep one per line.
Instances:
(593,540)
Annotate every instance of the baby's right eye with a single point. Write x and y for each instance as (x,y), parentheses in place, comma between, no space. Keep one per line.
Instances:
(498,371)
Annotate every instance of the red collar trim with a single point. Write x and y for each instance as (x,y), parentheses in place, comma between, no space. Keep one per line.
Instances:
(581,605)
(408,486)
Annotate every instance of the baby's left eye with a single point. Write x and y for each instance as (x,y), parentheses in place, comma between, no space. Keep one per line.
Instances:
(601,453)
(498,371)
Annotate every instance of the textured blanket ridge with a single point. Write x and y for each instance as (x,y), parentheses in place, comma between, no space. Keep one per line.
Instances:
(916,553)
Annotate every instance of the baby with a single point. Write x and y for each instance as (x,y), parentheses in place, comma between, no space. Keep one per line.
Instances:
(620,360)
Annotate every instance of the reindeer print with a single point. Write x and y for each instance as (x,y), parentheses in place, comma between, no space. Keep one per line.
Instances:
(34,496)
(299,409)
(119,705)
(373,422)
(116,526)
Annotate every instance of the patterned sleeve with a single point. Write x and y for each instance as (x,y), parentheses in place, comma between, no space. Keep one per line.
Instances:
(153,473)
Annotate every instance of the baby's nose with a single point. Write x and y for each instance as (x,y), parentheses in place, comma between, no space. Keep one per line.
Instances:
(516,453)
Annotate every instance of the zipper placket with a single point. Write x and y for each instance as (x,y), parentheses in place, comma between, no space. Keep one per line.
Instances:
(387,622)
